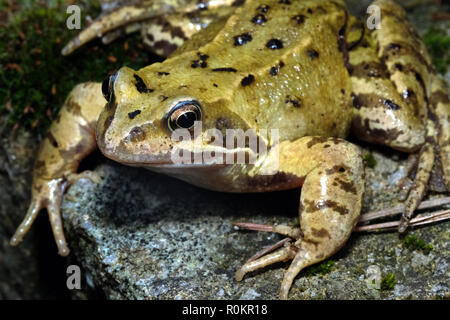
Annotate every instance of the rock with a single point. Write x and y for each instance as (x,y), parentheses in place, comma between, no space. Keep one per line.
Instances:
(141,235)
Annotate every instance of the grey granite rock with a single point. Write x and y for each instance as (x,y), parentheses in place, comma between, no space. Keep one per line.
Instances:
(141,235)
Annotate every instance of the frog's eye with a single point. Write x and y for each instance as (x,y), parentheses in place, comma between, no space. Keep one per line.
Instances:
(183,115)
(107,86)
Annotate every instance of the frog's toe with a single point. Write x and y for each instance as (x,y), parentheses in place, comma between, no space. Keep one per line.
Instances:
(419,185)
(45,194)
(33,210)
(281,255)
(303,253)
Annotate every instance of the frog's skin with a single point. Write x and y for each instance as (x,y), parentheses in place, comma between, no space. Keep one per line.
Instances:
(296,71)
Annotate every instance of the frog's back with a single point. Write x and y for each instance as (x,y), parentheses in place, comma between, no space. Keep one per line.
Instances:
(276,64)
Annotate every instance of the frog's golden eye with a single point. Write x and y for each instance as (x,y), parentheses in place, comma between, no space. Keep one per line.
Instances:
(183,115)
(108,86)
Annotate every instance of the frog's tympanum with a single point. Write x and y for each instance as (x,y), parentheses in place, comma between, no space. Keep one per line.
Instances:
(306,68)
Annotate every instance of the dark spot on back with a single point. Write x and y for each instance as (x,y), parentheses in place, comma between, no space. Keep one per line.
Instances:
(133,114)
(274,44)
(299,18)
(263,8)
(238,3)
(259,19)
(274,70)
(201,62)
(242,39)
(198,63)
(313,54)
(224,70)
(247,80)
(285,2)
(295,102)
(141,86)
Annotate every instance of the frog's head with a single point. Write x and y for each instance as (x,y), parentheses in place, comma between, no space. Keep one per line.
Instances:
(151,114)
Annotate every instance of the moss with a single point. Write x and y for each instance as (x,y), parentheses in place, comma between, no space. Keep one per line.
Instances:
(438,44)
(34,77)
(388,282)
(412,242)
(370,161)
(322,268)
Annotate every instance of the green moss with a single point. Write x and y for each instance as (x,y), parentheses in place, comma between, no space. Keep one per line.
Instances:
(388,282)
(322,268)
(412,242)
(34,77)
(438,44)
(370,161)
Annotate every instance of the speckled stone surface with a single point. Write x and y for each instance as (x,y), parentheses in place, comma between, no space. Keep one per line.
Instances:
(141,235)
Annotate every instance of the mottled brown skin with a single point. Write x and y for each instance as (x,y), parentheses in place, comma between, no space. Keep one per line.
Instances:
(266,66)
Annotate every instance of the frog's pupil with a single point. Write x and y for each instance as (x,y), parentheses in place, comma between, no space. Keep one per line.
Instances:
(186,120)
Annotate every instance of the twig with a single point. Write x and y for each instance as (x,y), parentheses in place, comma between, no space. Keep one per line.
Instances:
(420,219)
(397,210)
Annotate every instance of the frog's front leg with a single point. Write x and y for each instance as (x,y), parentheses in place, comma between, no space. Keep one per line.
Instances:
(70,138)
(330,203)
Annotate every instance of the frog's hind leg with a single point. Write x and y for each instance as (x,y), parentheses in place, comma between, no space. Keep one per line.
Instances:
(330,203)
(70,138)
(393,63)
(126,18)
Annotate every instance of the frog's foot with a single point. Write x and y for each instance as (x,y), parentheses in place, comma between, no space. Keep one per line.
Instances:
(304,252)
(330,203)
(48,194)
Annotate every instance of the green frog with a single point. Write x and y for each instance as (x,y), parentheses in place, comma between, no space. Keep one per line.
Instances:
(295,76)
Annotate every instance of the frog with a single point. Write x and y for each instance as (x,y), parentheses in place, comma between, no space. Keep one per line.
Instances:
(300,76)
